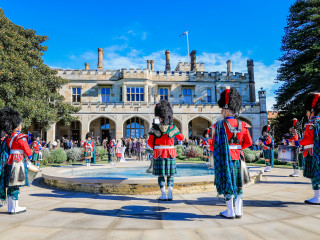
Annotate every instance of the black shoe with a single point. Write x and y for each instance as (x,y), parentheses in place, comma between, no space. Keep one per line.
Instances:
(163,200)
(238,216)
(226,216)
(170,199)
(311,203)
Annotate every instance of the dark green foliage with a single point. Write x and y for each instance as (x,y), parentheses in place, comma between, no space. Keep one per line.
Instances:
(58,156)
(26,83)
(300,62)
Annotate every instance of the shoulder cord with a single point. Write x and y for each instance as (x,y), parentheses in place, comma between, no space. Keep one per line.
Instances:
(234,130)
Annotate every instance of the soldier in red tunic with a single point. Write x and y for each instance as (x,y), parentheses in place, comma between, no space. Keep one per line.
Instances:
(294,136)
(36,146)
(231,136)
(15,145)
(161,139)
(311,145)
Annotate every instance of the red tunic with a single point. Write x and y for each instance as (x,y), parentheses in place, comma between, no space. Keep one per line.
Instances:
(243,136)
(36,146)
(307,138)
(266,143)
(19,148)
(88,145)
(164,141)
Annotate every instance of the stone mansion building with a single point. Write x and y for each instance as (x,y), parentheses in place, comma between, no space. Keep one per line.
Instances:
(120,103)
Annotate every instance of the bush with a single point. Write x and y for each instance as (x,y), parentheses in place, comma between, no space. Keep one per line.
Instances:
(74,154)
(44,162)
(45,153)
(276,153)
(194,152)
(58,156)
(251,156)
(181,157)
(101,152)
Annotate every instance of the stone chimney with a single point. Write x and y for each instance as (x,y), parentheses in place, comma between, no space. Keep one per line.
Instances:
(148,64)
(252,88)
(100,59)
(193,60)
(152,65)
(229,67)
(168,68)
(87,66)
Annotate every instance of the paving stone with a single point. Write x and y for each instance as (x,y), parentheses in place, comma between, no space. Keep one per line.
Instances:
(308,223)
(231,233)
(168,234)
(29,232)
(75,234)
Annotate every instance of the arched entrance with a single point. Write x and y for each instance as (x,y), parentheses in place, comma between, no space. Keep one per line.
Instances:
(72,131)
(103,128)
(197,126)
(136,128)
(178,124)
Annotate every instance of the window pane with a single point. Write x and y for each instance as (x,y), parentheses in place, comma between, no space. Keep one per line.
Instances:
(78,98)
(132,97)
(166,91)
(132,90)
(128,90)
(103,97)
(78,90)
(209,98)
(74,91)
(209,92)
(189,91)
(128,97)
(184,91)
(103,91)
(141,90)
(166,97)
(137,96)
(137,90)
(74,98)
(161,97)
(141,132)
(185,99)
(142,97)
(108,98)
(161,91)
(128,132)
(107,90)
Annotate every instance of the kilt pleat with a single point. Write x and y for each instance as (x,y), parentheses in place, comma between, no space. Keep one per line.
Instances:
(164,166)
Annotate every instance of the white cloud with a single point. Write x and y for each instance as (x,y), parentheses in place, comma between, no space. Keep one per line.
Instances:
(122,56)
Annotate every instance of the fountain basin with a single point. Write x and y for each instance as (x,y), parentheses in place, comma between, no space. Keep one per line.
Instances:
(77,179)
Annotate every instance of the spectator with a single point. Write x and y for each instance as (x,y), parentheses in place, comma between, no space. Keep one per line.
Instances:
(118,152)
(139,148)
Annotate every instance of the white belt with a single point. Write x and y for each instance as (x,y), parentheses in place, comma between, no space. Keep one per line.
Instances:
(163,147)
(238,147)
(16,151)
(308,146)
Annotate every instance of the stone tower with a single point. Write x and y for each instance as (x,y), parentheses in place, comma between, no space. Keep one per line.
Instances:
(252,85)
(263,107)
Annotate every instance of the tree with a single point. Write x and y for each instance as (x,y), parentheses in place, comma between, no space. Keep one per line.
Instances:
(300,62)
(26,83)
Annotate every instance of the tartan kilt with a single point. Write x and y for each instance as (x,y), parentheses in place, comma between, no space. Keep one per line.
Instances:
(307,167)
(267,154)
(35,157)
(164,166)
(311,170)
(236,169)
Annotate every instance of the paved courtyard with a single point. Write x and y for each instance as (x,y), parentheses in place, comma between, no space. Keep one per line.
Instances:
(273,209)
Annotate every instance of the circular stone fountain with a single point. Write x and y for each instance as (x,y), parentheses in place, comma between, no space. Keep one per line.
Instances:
(130,178)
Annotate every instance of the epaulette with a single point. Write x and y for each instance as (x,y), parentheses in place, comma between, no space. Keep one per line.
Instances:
(155,131)
(21,135)
(172,131)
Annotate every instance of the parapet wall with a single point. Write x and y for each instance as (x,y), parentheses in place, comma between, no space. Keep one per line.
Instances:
(139,73)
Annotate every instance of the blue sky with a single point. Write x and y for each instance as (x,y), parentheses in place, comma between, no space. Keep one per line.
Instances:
(130,32)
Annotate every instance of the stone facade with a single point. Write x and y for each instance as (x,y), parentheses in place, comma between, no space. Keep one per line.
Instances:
(107,108)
